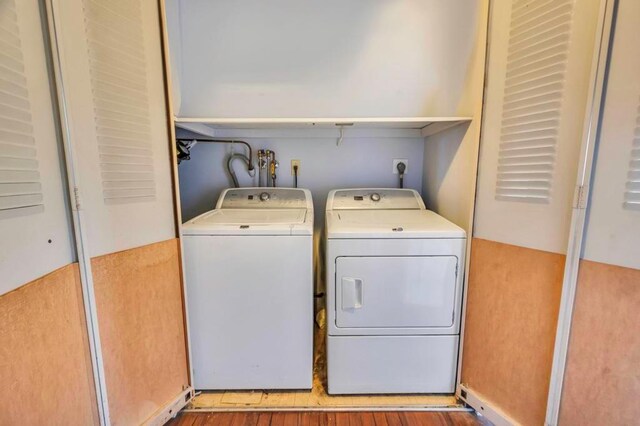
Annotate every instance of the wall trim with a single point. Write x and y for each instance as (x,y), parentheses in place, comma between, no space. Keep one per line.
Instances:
(467,262)
(175,177)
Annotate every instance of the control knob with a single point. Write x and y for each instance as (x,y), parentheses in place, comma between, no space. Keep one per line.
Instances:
(375,197)
(264,196)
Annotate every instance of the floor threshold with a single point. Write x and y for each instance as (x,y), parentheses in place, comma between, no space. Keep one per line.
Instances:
(448,408)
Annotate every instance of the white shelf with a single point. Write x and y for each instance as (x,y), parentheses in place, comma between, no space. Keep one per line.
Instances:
(426,126)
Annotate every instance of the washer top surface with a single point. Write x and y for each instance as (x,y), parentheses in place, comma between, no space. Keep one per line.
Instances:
(248,211)
(397,213)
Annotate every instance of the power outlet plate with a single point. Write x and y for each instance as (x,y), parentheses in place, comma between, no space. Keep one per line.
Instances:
(293,164)
(400,160)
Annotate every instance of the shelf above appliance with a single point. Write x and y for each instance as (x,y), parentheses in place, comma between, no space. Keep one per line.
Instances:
(423,126)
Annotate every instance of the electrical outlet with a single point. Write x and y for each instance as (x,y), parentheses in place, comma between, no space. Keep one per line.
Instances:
(295,163)
(400,160)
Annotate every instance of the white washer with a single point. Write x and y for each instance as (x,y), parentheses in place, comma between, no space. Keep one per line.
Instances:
(249,276)
(394,287)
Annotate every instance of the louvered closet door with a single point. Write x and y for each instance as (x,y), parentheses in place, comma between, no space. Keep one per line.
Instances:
(538,76)
(613,226)
(604,347)
(112,65)
(112,70)
(45,360)
(35,233)
(539,67)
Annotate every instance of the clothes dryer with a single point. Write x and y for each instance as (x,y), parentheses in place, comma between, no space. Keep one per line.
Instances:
(394,273)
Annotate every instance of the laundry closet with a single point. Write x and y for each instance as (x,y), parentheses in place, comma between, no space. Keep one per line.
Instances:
(360,89)
(489,149)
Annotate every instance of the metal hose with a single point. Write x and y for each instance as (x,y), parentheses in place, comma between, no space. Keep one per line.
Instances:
(230,159)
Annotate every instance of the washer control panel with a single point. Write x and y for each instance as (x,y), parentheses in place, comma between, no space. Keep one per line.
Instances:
(263,198)
(362,199)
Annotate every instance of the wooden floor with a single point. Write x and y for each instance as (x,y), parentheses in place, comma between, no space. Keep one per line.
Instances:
(396,418)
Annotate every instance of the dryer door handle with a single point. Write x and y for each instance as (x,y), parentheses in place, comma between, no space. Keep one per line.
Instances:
(351,293)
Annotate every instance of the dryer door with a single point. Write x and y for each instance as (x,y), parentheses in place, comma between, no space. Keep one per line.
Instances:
(394,292)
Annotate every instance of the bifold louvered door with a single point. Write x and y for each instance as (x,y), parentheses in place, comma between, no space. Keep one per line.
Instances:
(112,66)
(36,235)
(112,77)
(601,375)
(613,226)
(538,76)
(540,55)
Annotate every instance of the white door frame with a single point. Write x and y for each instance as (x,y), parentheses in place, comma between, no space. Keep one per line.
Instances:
(79,222)
(602,50)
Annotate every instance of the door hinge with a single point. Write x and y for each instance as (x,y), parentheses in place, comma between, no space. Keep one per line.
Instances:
(581,197)
(76,198)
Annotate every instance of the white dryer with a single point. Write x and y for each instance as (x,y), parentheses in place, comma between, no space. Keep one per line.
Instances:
(394,287)
(249,278)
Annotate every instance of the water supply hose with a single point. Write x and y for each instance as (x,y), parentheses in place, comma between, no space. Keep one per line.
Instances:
(244,158)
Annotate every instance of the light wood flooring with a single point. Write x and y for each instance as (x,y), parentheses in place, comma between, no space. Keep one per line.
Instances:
(394,418)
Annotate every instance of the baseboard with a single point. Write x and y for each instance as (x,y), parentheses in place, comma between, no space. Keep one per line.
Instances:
(485,408)
(163,415)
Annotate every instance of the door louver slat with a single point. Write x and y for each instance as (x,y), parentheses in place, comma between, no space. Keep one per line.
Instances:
(632,190)
(121,103)
(539,37)
(20,187)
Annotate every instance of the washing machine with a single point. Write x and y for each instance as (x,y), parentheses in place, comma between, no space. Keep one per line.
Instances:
(249,279)
(394,273)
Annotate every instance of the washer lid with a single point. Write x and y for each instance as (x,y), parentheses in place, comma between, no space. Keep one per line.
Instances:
(390,224)
(250,222)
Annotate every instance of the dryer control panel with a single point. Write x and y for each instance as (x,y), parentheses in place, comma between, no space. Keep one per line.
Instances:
(380,199)
(263,198)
